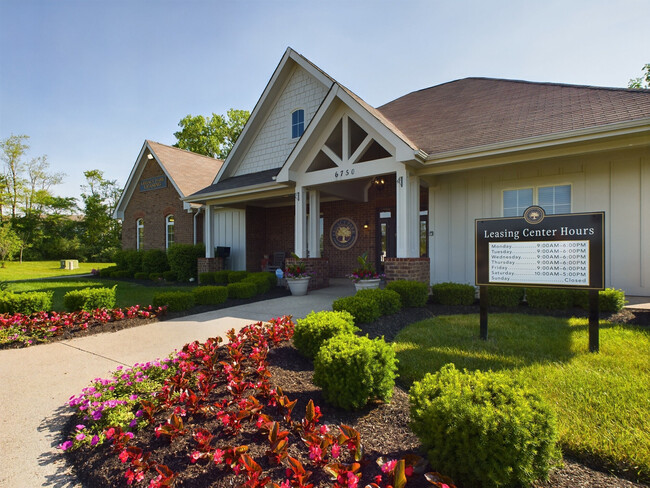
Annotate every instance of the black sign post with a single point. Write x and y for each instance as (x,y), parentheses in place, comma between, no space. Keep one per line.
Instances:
(538,250)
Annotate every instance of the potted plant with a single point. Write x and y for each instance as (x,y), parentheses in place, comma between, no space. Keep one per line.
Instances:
(297,276)
(365,275)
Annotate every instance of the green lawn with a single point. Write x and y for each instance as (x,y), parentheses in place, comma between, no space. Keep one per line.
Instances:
(127,293)
(602,400)
(29,270)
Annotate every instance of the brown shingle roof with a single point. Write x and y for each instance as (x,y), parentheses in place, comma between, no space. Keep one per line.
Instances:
(475,112)
(190,171)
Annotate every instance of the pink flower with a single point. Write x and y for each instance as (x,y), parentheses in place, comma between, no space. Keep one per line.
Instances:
(389,466)
(80,436)
(94,440)
(124,456)
(336,450)
(315,453)
(218,456)
(195,456)
(65,446)
(353,481)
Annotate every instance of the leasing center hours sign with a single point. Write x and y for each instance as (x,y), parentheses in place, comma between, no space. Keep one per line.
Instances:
(563,250)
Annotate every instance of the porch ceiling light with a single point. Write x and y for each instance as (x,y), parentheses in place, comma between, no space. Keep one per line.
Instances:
(378,182)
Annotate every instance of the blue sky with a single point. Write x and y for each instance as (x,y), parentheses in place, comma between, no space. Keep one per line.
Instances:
(90,80)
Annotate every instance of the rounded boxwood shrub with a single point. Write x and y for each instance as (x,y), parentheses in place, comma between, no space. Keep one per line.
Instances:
(609,300)
(121,274)
(237,276)
(175,301)
(206,278)
(483,429)
(89,299)
(155,276)
(505,296)
(549,298)
(453,294)
(106,272)
(25,303)
(311,332)
(412,293)
(221,277)
(261,283)
(242,289)
(388,301)
(170,275)
(363,309)
(353,370)
(210,295)
(142,275)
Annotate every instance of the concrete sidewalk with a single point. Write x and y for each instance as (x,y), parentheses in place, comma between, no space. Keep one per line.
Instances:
(36,382)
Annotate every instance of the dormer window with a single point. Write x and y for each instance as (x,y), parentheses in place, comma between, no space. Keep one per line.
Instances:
(297,123)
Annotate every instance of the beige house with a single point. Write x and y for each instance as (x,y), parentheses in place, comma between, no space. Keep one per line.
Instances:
(319,172)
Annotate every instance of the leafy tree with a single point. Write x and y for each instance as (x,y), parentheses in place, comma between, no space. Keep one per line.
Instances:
(13,149)
(643,81)
(100,232)
(10,243)
(213,136)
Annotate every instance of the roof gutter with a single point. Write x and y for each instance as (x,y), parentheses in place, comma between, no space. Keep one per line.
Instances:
(541,142)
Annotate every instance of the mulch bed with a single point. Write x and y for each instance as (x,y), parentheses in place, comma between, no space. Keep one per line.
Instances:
(383,427)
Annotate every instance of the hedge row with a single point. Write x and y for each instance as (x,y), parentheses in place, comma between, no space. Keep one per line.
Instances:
(25,303)
(179,263)
(89,299)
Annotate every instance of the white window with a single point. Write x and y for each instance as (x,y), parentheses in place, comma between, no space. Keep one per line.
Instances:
(139,234)
(169,234)
(553,199)
(297,123)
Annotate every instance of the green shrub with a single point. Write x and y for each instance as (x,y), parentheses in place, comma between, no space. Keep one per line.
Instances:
(412,293)
(453,294)
(176,301)
(483,429)
(183,259)
(221,277)
(237,276)
(363,309)
(210,295)
(388,301)
(25,303)
(242,289)
(261,283)
(89,299)
(549,298)
(141,275)
(131,261)
(609,300)
(352,370)
(505,296)
(170,276)
(311,332)
(121,274)
(155,276)
(154,261)
(269,277)
(106,272)
(206,278)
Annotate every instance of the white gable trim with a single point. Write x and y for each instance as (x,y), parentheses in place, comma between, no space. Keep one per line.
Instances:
(262,108)
(134,177)
(324,122)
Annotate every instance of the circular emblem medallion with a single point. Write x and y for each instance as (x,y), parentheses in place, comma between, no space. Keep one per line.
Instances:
(534,214)
(343,233)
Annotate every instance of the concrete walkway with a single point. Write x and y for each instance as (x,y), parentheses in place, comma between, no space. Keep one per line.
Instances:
(37,381)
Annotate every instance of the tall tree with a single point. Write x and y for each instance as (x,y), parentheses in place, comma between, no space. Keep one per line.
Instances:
(643,81)
(213,136)
(13,149)
(10,243)
(101,233)
(38,183)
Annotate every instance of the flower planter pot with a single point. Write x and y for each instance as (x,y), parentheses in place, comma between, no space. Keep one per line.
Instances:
(367,284)
(298,286)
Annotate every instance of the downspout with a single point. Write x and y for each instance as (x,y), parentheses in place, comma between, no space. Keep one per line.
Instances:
(195,216)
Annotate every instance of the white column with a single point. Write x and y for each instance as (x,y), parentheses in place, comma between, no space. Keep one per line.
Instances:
(314,224)
(300,235)
(408,214)
(431,250)
(208,235)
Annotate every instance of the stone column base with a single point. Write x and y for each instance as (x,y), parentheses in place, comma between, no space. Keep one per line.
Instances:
(319,269)
(411,269)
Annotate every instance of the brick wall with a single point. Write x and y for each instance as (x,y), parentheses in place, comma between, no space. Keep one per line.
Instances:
(319,270)
(153,207)
(412,269)
(268,230)
(207,265)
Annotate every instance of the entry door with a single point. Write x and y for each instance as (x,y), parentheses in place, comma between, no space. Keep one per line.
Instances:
(386,236)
